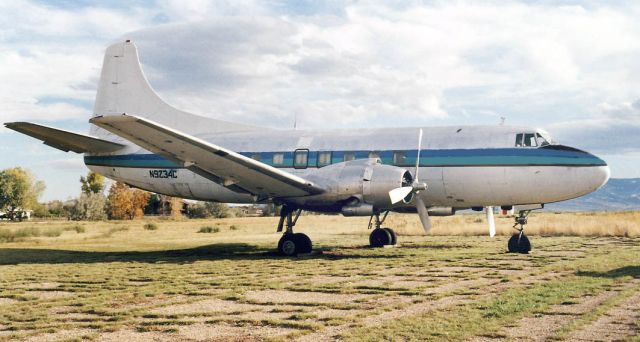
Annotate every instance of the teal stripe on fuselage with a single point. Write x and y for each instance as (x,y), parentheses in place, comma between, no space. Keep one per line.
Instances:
(442,158)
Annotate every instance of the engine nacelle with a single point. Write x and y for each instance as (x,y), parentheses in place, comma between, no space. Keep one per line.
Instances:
(361,185)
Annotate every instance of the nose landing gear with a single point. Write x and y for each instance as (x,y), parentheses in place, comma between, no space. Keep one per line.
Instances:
(381,237)
(291,243)
(519,242)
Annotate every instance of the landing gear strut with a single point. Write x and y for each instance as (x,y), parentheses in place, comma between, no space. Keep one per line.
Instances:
(381,236)
(291,243)
(519,243)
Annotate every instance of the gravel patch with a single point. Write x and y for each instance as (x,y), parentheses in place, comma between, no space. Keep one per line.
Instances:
(284,296)
(225,332)
(4,301)
(50,294)
(616,324)
(209,305)
(60,335)
(131,335)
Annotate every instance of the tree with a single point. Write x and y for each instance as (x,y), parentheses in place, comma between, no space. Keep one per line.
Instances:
(209,209)
(125,202)
(93,184)
(18,191)
(176,207)
(271,209)
(217,210)
(89,207)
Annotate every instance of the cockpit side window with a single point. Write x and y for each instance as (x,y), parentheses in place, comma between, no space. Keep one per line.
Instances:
(530,140)
(519,137)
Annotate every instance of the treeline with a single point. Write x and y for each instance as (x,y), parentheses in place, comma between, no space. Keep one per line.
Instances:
(19,193)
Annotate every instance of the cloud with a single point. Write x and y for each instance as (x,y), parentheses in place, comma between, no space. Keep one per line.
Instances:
(68,164)
(572,67)
(615,130)
(378,65)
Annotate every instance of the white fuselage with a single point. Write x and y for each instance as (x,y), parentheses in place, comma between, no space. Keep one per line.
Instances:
(463,166)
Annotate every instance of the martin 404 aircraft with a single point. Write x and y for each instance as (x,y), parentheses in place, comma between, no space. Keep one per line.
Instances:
(139,139)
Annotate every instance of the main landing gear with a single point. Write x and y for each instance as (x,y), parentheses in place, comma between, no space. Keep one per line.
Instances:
(381,237)
(291,243)
(519,243)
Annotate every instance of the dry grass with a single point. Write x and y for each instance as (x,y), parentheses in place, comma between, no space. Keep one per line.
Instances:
(120,281)
(543,223)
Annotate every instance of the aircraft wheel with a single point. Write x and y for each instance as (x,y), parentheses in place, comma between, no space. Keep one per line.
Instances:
(303,243)
(519,244)
(287,245)
(293,244)
(394,236)
(379,237)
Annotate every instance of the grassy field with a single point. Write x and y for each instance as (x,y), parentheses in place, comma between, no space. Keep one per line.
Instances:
(221,280)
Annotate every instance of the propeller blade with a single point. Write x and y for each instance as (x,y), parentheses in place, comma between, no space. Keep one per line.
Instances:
(423,213)
(398,194)
(491,221)
(415,175)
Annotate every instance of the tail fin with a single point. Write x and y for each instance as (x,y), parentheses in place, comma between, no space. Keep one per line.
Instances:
(123,88)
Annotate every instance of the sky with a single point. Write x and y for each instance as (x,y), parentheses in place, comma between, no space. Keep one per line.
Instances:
(570,67)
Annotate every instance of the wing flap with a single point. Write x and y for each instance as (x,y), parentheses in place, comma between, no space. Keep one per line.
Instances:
(229,168)
(64,140)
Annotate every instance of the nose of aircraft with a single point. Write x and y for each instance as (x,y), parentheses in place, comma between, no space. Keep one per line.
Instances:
(599,174)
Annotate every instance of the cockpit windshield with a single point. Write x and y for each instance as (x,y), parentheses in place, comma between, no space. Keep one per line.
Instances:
(541,140)
(537,139)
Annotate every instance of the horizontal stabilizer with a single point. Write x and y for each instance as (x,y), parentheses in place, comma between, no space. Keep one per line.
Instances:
(64,140)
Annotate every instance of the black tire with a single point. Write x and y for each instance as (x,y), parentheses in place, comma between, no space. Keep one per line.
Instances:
(379,237)
(519,244)
(394,236)
(287,245)
(303,243)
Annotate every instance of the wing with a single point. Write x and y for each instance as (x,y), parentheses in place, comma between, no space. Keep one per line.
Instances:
(221,165)
(64,140)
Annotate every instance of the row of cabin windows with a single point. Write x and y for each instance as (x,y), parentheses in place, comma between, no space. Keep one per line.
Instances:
(301,158)
(530,140)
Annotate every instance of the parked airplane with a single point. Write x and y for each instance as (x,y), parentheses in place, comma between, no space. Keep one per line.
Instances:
(139,139)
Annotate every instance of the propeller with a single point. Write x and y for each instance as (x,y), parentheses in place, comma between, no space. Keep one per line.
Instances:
(398,194)
(491,221)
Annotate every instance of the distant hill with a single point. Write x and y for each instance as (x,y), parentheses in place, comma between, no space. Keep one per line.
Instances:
(617,195)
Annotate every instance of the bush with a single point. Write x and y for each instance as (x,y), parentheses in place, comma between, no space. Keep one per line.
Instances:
(90,207)
(114,230)
(7,235)
(209,229)
(233,227)
(53,232)
(209,209)
(79,229)
(151,226)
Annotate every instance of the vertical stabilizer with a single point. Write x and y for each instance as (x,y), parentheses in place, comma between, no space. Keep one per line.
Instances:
(123,88)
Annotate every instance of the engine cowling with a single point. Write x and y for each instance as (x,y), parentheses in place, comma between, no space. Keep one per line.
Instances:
(362,186)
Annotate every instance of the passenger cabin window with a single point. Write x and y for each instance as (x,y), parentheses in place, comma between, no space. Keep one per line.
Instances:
(278,159)
(349,156)
(300,159)
(399,158)
(256,157)
(324,158)
(374,154)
